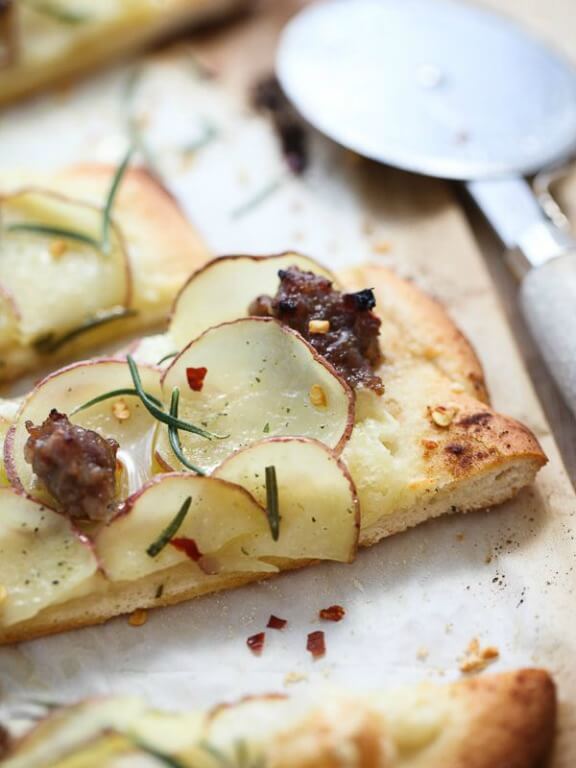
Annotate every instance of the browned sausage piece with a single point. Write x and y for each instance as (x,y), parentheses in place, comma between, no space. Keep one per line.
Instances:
(76,465)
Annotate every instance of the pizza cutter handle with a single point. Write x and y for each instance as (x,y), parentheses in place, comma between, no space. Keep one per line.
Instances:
(548,300)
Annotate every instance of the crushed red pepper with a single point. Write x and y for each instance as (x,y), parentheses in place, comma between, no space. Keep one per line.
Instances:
(333,613)
(350,341)
(316,644)
(195,378)
(256,643)
(188,546)
(276,623)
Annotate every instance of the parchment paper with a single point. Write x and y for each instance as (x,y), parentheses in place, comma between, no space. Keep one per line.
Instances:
(413,602)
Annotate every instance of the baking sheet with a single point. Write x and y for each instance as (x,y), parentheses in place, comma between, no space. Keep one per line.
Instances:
(413,602)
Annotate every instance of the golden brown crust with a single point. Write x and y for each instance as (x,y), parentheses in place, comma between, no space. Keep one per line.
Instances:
(108,43)
(511,721)
(500,721)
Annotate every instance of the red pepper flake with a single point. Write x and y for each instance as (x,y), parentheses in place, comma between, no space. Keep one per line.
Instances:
(256,643)
(195,377)
(316,644)
(275,623)
(333,613)
(188,546)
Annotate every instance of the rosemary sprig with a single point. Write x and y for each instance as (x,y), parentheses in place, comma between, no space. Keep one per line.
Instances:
(170,531)
(261,196)
(126,392)
(209,134)
(112,192)
(272,504)
(50,342)
(46,229)
(159,414)
(161,757)
(151,403)
(166,357)
(241,757)
(174,437)
(63,15)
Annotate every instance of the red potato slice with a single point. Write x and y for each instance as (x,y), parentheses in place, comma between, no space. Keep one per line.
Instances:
(58,283)
(43,558)
(73,386)
(224,288)
(319,510)
(261,380)
(220,513)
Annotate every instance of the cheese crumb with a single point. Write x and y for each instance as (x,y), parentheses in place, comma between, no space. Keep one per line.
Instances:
(138,618)
(476,658)
(442,416)
(294,677)
(319,326)
(58,248)
(121,410)
(318,396)
(422,653)
(381,246)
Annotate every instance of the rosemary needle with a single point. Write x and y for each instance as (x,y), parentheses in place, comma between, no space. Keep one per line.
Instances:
(125,392)
(161,415)
(114,186)
(46,229)
(174,437)
(170,531)
(272,505)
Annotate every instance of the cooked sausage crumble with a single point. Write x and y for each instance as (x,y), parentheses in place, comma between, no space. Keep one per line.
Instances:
(76,465)
(341,326)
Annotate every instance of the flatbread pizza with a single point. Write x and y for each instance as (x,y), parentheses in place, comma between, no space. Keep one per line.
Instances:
(497,721)
(89,254)
(286,416)
(43,42)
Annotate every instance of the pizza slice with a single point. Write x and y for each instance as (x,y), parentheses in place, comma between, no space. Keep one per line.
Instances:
(89,254)
(498,721)
(47,41)
(286,416)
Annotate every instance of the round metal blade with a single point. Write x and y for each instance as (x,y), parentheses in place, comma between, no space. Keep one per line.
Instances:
(434,86)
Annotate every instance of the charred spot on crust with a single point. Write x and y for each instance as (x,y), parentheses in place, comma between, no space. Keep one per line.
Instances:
(475,419)
(76,465)
(349,338)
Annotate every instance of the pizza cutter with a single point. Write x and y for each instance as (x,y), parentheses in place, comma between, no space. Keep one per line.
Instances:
(448,89)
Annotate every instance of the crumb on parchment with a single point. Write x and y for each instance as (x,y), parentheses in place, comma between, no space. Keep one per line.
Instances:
(290,678)
(476,659)
(138,618)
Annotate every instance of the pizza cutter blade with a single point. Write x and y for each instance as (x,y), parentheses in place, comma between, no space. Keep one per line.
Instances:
(448,89)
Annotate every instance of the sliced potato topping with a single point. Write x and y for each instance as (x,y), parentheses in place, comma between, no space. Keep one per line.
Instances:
(224,289)
(257,384)
(9,318)
(81,280)
(319,514)
(43,559)
(219,513)
(70,388)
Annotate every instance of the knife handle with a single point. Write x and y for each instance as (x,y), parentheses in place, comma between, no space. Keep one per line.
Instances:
(548,300)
